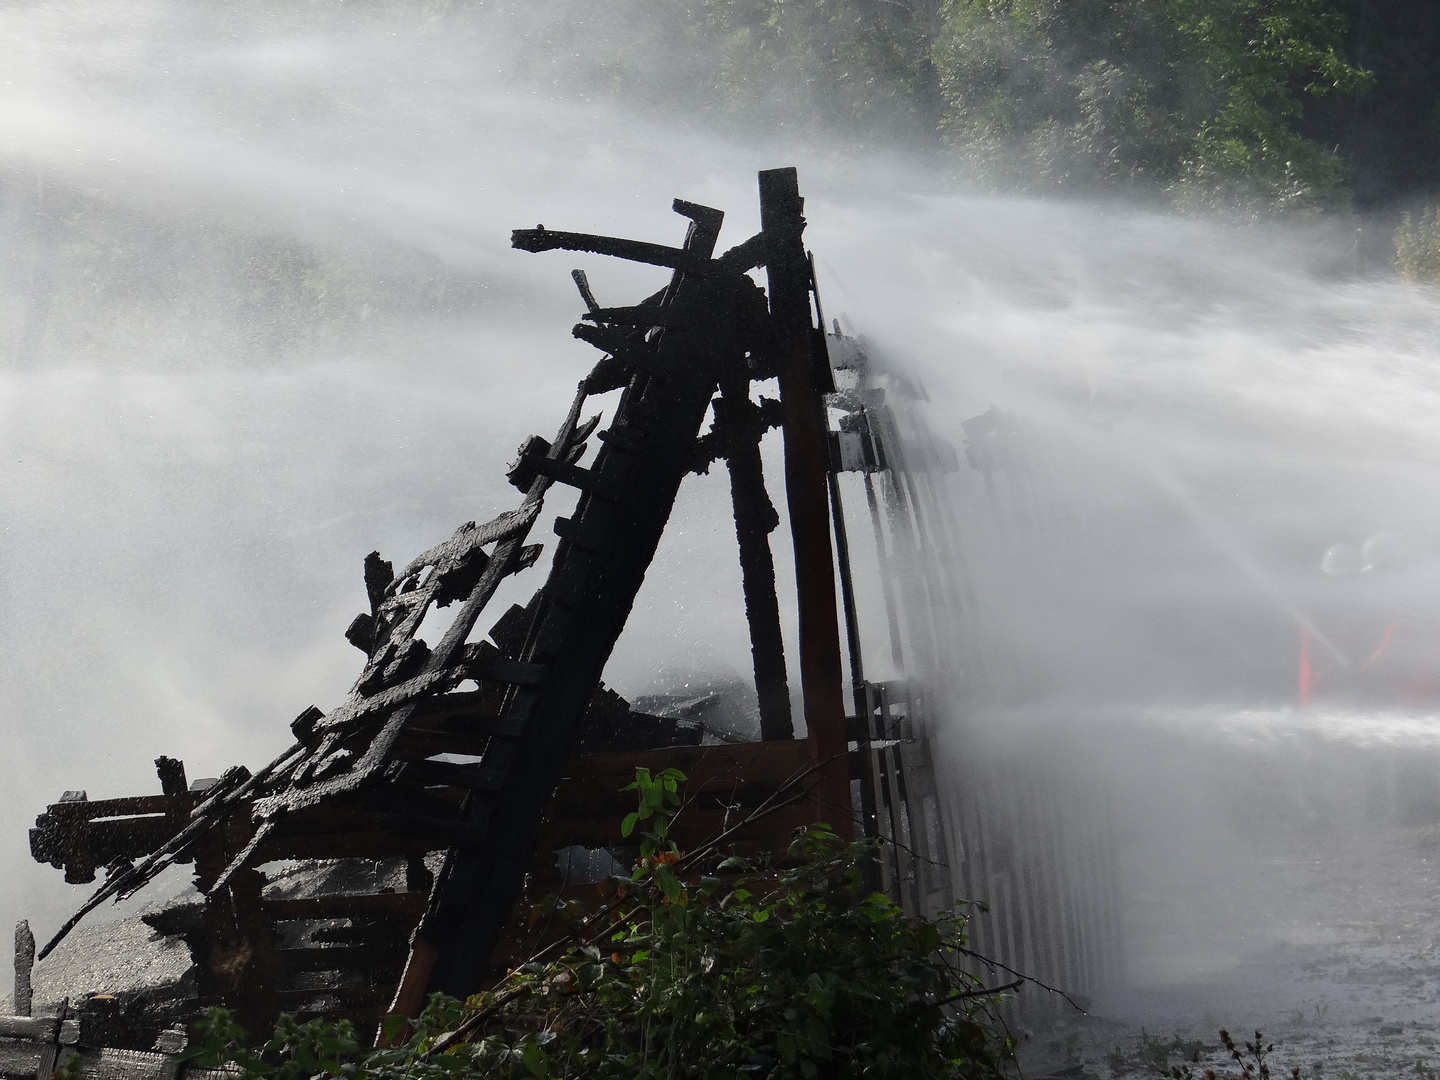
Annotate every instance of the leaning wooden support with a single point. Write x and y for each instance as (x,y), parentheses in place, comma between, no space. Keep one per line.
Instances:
(800,353)
(737,430)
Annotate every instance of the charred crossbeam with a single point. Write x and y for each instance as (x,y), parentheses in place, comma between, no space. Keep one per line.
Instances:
(543,239)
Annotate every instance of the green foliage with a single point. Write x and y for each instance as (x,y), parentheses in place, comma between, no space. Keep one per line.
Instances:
(796,971)
(297,1051)
(811,973)
(1198,97)
(1417,246)
(1201,101)
(659,797)
(855,68)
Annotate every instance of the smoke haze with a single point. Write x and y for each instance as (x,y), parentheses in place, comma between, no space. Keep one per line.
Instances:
(260,315)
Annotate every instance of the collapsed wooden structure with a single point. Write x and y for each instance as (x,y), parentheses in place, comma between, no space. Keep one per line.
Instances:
(412,763)
(504,752)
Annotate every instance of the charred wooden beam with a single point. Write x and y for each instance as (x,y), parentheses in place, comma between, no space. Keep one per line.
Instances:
(392,907)
(755,519)
(806,477)
(585,606)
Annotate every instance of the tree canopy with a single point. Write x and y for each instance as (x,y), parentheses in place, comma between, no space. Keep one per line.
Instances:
(1282,104)
(1199,99)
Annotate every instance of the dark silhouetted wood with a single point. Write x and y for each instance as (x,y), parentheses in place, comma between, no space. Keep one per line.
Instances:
(806,479)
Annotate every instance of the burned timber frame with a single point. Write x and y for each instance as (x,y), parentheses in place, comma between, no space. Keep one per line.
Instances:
(499,778)
(378,776)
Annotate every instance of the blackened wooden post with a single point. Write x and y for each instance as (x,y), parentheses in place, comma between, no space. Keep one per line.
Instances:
(755,519)
(24,963)
(807,484)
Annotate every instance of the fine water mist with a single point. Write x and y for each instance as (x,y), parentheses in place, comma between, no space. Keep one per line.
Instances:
(260,316)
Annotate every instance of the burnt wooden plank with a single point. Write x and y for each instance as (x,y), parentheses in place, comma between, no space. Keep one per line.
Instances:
(409,798)
(82,846)
(542,239)
(34,1028)
(351,817)
(701,764)
(463,704)
(423,743)
(641,315)
(490,666)
(359,933)
(452,774)
(129,806)
(342,957)
(374,844)
(127,838)
(396,906)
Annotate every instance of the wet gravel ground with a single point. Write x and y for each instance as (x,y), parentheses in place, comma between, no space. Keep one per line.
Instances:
(1333,953)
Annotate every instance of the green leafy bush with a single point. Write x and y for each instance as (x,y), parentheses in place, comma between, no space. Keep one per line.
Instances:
(795,970)
(1197,97)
